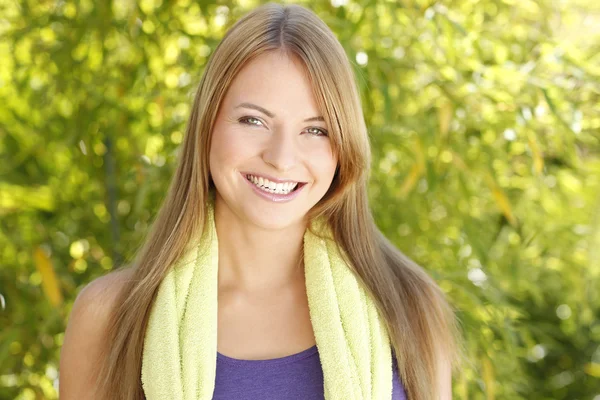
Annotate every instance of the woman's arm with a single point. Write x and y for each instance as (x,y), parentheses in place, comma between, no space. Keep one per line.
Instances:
(445,378)
(80,357)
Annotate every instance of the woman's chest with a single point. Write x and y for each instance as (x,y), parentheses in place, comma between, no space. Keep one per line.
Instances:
(264,326)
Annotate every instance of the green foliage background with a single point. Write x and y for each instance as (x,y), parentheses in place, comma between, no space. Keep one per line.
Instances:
(484,118)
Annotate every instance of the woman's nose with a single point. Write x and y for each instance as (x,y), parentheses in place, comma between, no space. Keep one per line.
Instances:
(281,151)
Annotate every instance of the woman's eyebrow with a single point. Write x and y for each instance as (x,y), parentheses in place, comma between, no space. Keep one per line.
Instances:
(270,114)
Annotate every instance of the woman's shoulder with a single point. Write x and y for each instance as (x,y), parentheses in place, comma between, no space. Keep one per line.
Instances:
(102,291)
(98,298)
(86,332)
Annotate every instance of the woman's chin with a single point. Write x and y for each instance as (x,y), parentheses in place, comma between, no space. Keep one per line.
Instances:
(275,221)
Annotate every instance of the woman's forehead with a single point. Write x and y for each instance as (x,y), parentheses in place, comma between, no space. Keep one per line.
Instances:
(276,82)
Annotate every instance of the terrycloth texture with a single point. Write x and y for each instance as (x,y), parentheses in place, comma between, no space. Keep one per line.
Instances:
(180,345)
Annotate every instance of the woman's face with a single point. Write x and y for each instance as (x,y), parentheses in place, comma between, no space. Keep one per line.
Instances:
(269,129)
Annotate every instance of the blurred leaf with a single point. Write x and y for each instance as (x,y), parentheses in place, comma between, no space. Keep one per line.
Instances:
(49,280)
(488,378)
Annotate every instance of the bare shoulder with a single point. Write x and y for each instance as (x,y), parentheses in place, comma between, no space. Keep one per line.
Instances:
(101,292)
(97,299)
(84,341)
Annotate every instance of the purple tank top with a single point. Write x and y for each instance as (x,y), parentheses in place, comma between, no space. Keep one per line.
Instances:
(295,377)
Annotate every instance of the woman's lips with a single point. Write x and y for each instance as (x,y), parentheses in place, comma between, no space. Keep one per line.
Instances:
(275,197)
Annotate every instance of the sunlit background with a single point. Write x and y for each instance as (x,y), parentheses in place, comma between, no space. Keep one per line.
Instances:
(484,118)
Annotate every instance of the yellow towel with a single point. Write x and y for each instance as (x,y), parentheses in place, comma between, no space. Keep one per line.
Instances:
(180,345)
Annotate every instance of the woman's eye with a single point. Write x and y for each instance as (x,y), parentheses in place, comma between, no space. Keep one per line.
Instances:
(317,131)
(257,122)
(250,121)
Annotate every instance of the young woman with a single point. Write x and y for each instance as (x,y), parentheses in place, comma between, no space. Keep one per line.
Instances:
(276,140)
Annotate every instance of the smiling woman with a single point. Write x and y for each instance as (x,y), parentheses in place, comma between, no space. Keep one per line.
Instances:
(282,140)
(264,275)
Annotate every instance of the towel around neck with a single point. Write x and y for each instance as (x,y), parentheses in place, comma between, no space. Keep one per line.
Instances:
(180,344)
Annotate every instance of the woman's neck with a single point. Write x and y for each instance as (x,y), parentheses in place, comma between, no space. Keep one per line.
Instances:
(254,259)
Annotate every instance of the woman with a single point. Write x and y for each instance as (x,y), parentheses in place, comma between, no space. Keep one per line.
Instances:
(276,140)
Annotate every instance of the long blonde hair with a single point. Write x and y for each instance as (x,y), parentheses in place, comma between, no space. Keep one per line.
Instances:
(419,320)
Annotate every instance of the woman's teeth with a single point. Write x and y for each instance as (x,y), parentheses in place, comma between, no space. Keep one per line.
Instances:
(272,187)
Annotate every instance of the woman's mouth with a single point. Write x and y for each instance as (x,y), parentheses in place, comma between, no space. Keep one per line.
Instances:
(274,191)
(273,187)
